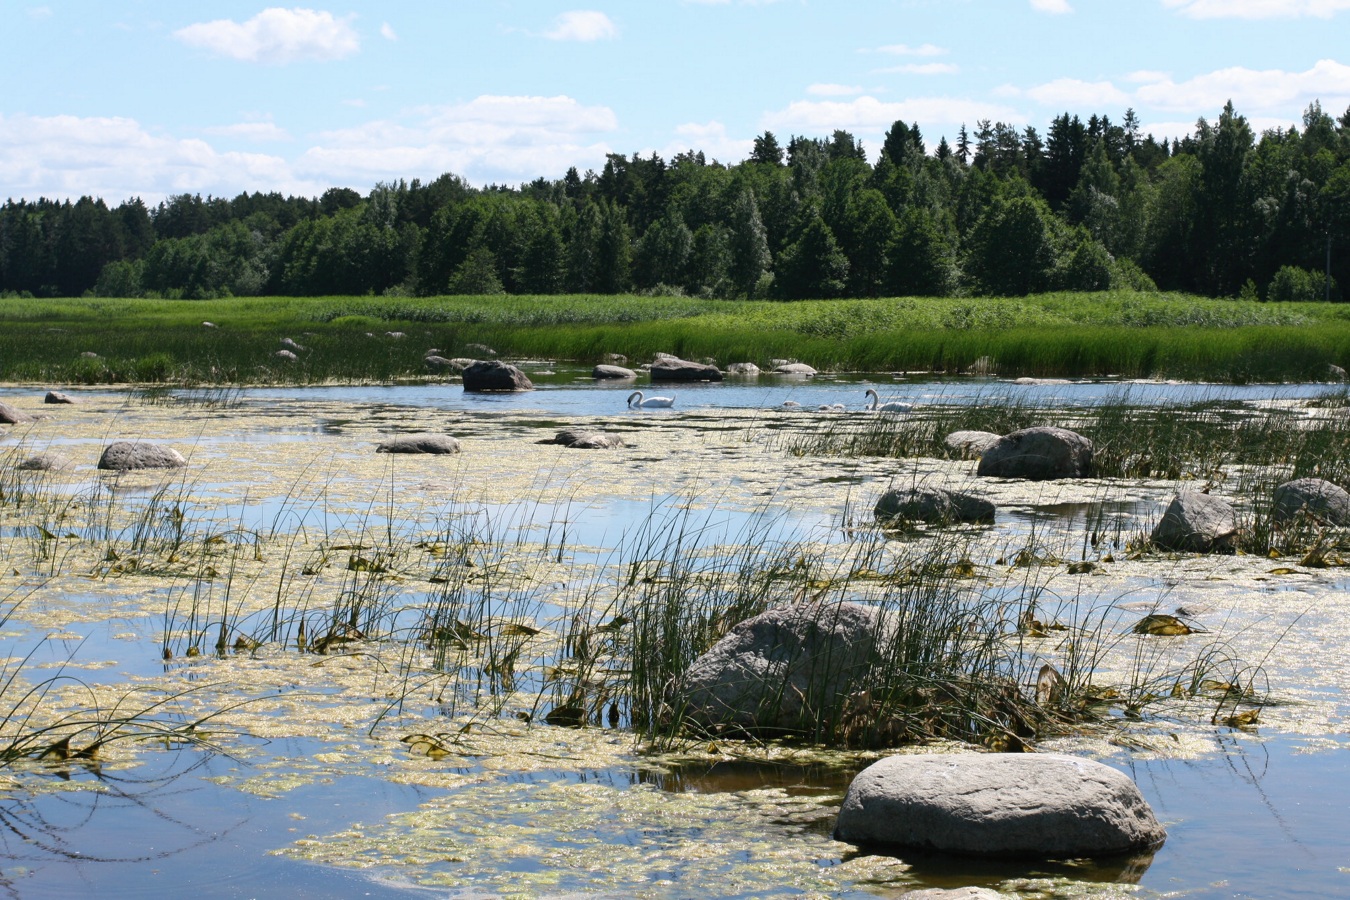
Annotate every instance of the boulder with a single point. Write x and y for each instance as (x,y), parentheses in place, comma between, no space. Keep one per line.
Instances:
(89,354)
(291,345)
(481,348)
(57,397)
(783,670)
(1038,454)
(1335,373)
(616,359)
(440,364)
(208,324)
(605,371)
(122,456)
(936,506)
(683,370)
(1030,806)
(1196,523)
(494,375)
(419,443)
(396,335)
(287,355)
(1313,497)
(11,416)
(46,462)
(586,439)
(794,369)
(970,444)
(743,369)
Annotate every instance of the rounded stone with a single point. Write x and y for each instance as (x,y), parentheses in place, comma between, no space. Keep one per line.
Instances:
(419,443)
(936,506)
(1196,523)
(494,375)
(610,372)
(11,416)
(123,456)
(970,444)
(1040,453)
(1029,806)
(667,369)
(794,369)
(1313,497)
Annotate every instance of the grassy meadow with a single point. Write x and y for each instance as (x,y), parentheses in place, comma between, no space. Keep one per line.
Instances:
(1065,335)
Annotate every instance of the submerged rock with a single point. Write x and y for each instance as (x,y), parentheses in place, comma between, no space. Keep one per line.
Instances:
(123,456)
(783,671)
(419,443)
(606,371)
(669,369)
(743,369)
(57,397)
(1196,523)
(494,375)
(1312,497)
(1040,453)
(936,506)
(46,462)
(586,439)
(794,369)
(1034,806)
(11,416)
(970,444)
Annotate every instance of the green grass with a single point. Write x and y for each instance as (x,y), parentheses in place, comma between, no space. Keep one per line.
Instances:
(1114,333)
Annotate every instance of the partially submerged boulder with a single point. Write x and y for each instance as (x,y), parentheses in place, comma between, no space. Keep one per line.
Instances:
(937,506)
(1040,453)
(784,671)
(46,462)
(1196,523)
(419,443)
(123,456)
(669,369)
(743,369)
(584,439)
(794,369)
(605,371)
(11,416)
(1031,806)
(1314,498)
(970,444)
(495,375)
(57,397)
(440,364)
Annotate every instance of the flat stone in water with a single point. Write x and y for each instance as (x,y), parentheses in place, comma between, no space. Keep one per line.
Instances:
(419,443)
(1032,806)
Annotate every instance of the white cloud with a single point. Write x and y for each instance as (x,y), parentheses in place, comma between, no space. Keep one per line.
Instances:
(712,139)
(920,69)
(258,132)
(1070,93)
(1272,92)
(582,25)
(871,118)
(275,36)
(387,32)
(1145,76)
(907,50)
(1054,7)
(116,158)
(39,12)
(1258,9)
(833,90)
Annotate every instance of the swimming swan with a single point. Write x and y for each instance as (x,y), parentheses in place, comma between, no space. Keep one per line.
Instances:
(893,406)
(636,399)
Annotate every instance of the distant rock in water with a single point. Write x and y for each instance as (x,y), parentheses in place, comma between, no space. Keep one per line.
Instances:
(794,369)
(743,369)
(11,416)
(127,455)
(970,444)
(1038,454)
(57,397)
(419,443)
(936,506)
(441,364)
(605,371)
(584,439)
(493,375)
(683,370)
(46,462)
(1313,497)
(481,348)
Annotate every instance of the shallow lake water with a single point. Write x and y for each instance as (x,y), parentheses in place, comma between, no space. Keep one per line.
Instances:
(316,797)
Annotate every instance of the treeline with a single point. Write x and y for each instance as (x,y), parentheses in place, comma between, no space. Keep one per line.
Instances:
(1090,206)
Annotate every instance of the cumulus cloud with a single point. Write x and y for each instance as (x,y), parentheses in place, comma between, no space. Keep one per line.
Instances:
(387,32)
(1271,92)
(582,25)
(1054,7)
(907,50)
(870,118)
(712,139)
(116,158)
(1071,93)
(275,36)
(833,90)
(258,132)
(1258,9)
(921,69)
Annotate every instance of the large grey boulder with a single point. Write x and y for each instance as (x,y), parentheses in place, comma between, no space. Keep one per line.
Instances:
(970,444)
(783,671)
(936,506)
(586,439)
(794,369)
(1036,805)
(11,416)
(495,375)
(436,363)
(605,371)
(1196,523)
(56,397)
(684,370)
(123,456)
(419,443)
(1313,497)
(743,369)
(1038,454)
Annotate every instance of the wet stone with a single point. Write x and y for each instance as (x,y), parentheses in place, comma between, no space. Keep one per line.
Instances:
(1313,497)
(1196,523)
(46,462)
(606,371)
(57,397)
(1027,806)
(124,456)
(419,443)
(970,444)
(743,369)
(794,369)
(11,416)
(493,375)
(684,370)
(936,506)
(1041,453)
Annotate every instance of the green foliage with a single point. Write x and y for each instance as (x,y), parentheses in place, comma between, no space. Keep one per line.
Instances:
(1294,285)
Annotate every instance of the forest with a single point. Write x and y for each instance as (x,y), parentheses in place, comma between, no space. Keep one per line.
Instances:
(1089,206)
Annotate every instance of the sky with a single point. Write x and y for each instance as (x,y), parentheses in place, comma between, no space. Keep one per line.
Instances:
(150,98)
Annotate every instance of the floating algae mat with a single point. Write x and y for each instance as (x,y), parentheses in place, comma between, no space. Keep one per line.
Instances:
(299,667)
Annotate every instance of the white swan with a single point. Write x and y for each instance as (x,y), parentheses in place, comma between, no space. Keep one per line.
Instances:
(637,400)
(893,406)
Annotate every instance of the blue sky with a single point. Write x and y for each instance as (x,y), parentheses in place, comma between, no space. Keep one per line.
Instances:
(156,97)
